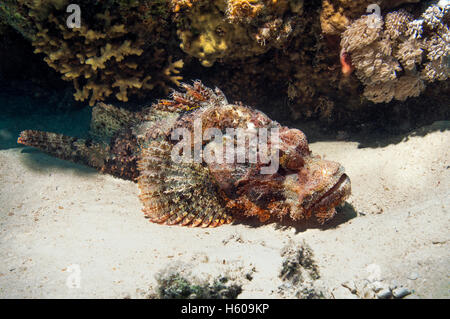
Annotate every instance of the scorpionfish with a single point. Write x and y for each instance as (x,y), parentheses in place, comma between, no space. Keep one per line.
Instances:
(140,146)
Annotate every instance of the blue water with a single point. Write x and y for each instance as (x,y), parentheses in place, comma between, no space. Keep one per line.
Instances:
(20,112)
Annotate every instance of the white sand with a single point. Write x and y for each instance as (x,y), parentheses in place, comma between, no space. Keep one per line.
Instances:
(55,214)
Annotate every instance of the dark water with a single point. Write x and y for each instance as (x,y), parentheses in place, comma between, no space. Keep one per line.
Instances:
(20,112)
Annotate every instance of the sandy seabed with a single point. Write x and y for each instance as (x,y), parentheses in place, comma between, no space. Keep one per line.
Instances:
(55,214)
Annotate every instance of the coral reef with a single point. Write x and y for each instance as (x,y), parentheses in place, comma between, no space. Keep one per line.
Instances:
(394,57)
(336,15)
(227,30)
(211,191)
(306,71)
(119,49)
(285,51)
(310,67)
(437,45)
(301,79)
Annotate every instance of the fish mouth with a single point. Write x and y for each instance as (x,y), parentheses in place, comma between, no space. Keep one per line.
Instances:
(337,194)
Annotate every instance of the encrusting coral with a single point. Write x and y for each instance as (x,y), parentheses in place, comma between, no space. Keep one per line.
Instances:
(396,55)
(227,30)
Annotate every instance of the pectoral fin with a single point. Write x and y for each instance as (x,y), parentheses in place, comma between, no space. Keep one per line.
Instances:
(178,193)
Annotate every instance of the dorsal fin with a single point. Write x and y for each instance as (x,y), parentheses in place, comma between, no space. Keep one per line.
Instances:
(195,96)
(108,119)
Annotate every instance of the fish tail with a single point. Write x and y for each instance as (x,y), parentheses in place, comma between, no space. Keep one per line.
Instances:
(82,151)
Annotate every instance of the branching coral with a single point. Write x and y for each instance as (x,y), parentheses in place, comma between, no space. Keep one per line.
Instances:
(393,57)
(119,49)
(172,71)
(97,59)
(234,29)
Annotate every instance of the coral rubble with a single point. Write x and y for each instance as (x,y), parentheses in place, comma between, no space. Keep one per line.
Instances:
(299,272)
(176,281)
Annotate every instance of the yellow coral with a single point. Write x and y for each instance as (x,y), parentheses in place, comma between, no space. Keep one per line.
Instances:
(240,9)
(62,56)
(333,20)
(99,92)
(41,8)
(116,51)
(210,37)
(104,60)
(124,84)
(173,69)
(177,5)
(236,29)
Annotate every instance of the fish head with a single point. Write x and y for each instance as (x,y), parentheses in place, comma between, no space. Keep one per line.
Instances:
(316,189)
(312,186)
(303,186)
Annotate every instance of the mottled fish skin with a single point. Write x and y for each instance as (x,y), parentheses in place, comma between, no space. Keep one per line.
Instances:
(138,146)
